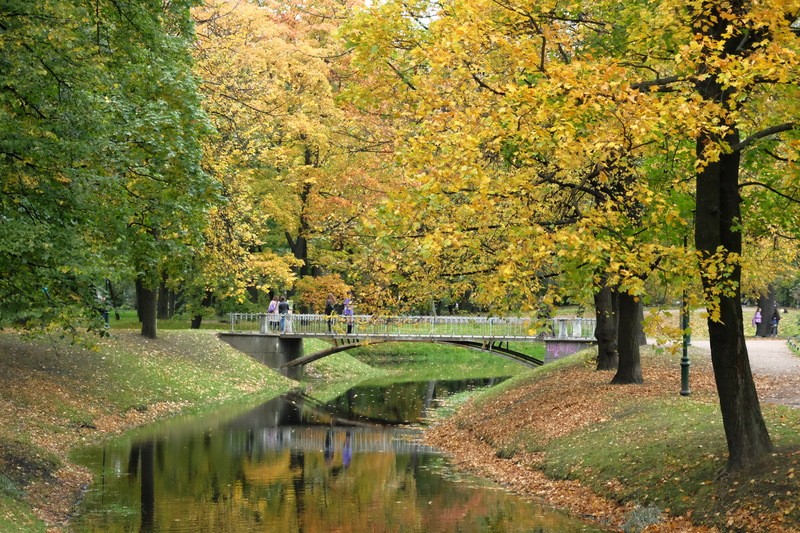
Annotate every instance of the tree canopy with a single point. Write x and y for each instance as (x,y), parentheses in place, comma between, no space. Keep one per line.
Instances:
(514,154)
(100,155)
(585,140)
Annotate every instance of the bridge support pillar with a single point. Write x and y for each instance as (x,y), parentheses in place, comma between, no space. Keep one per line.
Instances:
(270,350)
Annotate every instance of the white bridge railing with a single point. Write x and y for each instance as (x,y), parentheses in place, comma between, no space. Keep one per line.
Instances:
(458,326)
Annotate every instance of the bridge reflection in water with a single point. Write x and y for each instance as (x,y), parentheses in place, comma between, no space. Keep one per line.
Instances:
(356,440)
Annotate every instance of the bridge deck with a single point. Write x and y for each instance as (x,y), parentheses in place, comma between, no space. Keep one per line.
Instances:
(365,328)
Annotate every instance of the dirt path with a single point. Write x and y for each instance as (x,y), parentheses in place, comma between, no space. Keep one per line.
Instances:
(775,367)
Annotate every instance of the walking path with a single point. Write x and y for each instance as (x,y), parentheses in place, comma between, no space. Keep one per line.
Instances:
(775,367)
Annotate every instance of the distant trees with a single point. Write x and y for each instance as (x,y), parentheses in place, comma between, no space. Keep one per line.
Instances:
(294,159)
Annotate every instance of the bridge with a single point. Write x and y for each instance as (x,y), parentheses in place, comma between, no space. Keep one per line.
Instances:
(252,332)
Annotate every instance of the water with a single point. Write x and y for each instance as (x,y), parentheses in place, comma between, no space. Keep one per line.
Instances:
(299,465)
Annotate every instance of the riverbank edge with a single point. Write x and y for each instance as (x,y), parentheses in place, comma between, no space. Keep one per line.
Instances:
(49,485)
(474,437)
(41,485)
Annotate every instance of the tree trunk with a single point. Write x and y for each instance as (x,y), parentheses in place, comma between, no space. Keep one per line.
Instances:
(630,364)
(767,305)
(299,245)
(115,303)
(147,309)
(197,319)
(642,335)
(139,298)
(606,329)
(717,221)
(164,300)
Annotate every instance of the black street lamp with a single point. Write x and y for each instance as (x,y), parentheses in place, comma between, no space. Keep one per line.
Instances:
(687,340)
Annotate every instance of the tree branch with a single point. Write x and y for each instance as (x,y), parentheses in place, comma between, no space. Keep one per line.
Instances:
(401,76)
(769,188)
(788,126)
(658,82)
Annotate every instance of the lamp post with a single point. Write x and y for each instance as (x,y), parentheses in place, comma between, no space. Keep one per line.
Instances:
(685,391)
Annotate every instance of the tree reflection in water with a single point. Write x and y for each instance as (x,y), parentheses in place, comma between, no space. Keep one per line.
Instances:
(292,466)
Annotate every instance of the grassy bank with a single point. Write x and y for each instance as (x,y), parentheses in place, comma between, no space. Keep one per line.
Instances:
(55,396)
(627,455)
(385,364)
(413,361)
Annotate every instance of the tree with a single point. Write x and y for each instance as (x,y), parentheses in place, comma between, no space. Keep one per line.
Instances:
(607,316)
(731,36)
(101,134)
(294,159)
(160,190)
(515,183)
(612,109)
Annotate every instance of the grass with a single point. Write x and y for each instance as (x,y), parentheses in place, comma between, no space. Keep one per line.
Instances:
(665,322)
(411,361)
(387,363)
(658,451)
(670,453)
(128,320)
(15,516)
(55,396)
(642,446)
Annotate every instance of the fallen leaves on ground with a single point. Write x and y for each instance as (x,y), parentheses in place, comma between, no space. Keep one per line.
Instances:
(563,402)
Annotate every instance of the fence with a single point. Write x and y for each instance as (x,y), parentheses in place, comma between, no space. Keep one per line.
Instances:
(466,327)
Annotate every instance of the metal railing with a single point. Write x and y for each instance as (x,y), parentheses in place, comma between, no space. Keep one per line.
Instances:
(463,327)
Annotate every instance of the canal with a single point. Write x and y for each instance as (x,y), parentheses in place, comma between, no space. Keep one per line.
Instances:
(300,464)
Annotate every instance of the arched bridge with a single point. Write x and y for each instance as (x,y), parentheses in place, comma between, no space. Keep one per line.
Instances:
(491,334)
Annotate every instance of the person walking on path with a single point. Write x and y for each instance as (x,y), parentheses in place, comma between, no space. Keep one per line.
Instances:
(774,321)
(757,320)
(283,310)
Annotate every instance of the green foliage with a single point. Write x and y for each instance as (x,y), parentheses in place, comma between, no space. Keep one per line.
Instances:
(100,167)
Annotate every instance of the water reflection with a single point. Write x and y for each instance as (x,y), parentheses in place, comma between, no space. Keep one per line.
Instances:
(284,467)
(399,403)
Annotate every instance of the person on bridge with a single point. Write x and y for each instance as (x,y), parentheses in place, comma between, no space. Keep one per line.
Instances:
(283,310)
(330,309)
(272,311)
(348,314)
